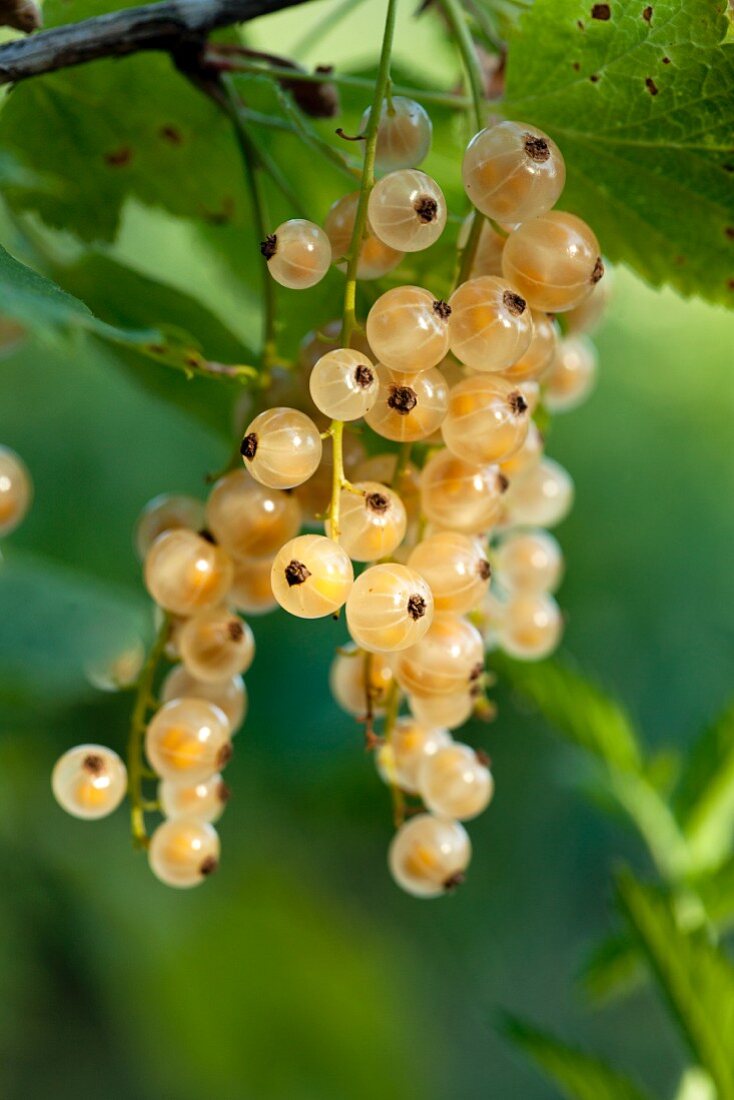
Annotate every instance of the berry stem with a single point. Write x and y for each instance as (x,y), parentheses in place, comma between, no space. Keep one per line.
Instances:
(392,706)
(337,477)
(136,769)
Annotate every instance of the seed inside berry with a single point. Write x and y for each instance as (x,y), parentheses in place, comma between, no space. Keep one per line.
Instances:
(269,246)
(296,573)
(402,399)
(248,447)
(443,309)
(514,303)
(416,607)
(363,376)
(536,148)
(426,208)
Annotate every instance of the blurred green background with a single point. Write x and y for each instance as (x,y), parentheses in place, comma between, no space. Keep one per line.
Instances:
(300,972)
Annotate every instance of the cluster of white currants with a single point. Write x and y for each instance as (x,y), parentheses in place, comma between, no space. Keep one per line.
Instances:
(16,491)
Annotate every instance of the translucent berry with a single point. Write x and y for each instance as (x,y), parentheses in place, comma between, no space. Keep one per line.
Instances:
(187,740)
(456,568)
(353,673)
(403,134)
(229,695)
(390,607)
(205,800)
(490,324)
(553,261)
(429,855)
(487,419)
(488,254)
(16,490)
(372,521)
(184,851)
(528,455)
(251,591)
(542,497)
(572,376)
(343,384)
(540,353)
(408,329)
(448,659)
(185,573)
(282,448)
(513,172)
(165,513)
(455,782)
(114,670)
(586,317)
(375,257)
(298,254)
(529,561)
(311,576)
(408,406)
(442,711)
(399,760)
(461,496)
(531,626)
(407,210)
(250,520)
(89,781)
(216,645)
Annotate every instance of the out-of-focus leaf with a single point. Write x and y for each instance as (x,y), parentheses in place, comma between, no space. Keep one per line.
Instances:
(577,1075)
(694,976)
(696,1084)
(612,969)
(641,101)
(704,800)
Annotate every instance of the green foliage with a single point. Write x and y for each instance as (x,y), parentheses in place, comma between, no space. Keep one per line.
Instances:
(705,796)
(643,109)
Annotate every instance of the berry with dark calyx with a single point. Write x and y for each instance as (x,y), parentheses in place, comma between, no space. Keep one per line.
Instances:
(311,576)
(390,607)
(408,407)
(184,851)
(553,261)
(490,326)
(403,134)
(89,781)
(429,855)
(298,254)
(407,210)
(513,172)
(405,330)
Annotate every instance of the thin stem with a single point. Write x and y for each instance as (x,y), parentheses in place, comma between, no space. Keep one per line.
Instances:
(136,769)
(337,477)
(392,707)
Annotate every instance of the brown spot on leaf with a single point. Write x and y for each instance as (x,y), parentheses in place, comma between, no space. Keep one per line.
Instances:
(580,25)
(171,134)
(647,14)
(651,85)
(118,158)
(594,78)
(666,61)
(729,232)
(576,67)
(601,11)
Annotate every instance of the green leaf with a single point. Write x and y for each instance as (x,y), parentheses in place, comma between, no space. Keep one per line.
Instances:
(652,173)
(695,1084)
(704,800)
(119,128)
(579,1076)
(695,977)
(612,969)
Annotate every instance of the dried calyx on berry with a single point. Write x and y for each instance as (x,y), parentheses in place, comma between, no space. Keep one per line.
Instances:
(426,208)
(443,309)
(296,573)
(269,246)
(248,447)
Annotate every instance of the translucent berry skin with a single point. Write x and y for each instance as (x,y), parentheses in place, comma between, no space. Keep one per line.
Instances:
(352,672)
(531,626)
(529,561)
(183,852)
(429,855)
(311,576)
(185,574)
(454,783)
(542,497)
(89,781)
(538,358)
(407,210)
(553,261)
(490,325)
(298,254)
(389,608)
(443,711)
(229,695)
(343,384)
(281,448)
(114,671)
(571,378)
(408,406)
(16,490)
(187,740)
(513,172)
(250,520)
(372,521)
(407,329)
(375,257)
(461,496)
(165,513)
(487,419)
(528,455)
(251,591)
(205,801)
(409,745)
(488,255)
(586,317)
(216,645)
(448,659)
(456,568)
(403,134)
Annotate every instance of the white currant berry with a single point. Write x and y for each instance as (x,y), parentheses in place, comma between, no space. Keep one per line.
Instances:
(429,855)
(455,782)
(531,451)
(311,576)
(461,496)
(165,513)
(250,520)
(442,711)
(298,254)
(531,626)
(251,591)
(487,419)
(89,781)
(449,658)
(529,560)
(541,497)
(513,172)
(117,670)
(187,740)
(205,801)
(375,257)
(538,358)
(408,406)
(216,645)
(399,760)
(390,607)
(281,448)
(353,673)
(185,573)
(343,384)
(372,521)
(229,695)
(586,317)
(408,330)
(403,134)
(571,378)
(553,261)
(407,210)
(490,325)
(456,568)
(183,852)
(16,490)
